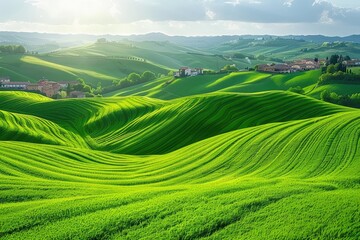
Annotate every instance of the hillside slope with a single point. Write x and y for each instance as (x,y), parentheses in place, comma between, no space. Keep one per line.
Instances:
(69,68)
(272,165)
(233,82)
(130,125)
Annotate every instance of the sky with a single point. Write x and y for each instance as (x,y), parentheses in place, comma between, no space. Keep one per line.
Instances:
(185,17)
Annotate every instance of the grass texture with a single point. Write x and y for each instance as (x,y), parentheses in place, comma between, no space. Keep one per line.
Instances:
(266,165)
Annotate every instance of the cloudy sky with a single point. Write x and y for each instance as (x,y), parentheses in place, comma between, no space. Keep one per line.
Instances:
(182,17)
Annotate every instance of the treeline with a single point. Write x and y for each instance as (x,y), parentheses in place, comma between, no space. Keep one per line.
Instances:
(15,49)
(88,90)
(339,77)
(335,71)
(345,100)
(131,80)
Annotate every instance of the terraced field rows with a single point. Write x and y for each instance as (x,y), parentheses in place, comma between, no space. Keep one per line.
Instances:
(272,165)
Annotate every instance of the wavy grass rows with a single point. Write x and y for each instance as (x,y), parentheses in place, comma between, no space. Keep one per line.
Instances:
(272,165)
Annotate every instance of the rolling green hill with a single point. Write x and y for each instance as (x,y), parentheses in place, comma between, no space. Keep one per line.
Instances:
(234,82)
(223,156)
(69,68)
(241,82)
(162,53)
(274,165)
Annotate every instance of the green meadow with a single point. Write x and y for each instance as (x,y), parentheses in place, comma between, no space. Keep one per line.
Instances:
(212,165)
(219,156)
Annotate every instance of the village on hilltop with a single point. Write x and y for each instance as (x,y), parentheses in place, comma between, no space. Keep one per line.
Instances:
(44,86)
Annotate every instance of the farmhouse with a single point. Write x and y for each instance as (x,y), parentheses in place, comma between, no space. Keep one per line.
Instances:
(294,66)
(304,65)
(4,80)
(186,72)
(275,68)
(14,85)
(352,63)
(77,94)
(49,88)
(64,84)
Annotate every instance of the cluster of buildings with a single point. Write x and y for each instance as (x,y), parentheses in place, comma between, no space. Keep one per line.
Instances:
(187,72)
(352,63)
(295,66)
(46,87)
(301,65)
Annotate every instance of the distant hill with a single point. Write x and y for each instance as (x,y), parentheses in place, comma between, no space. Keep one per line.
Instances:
(33,41)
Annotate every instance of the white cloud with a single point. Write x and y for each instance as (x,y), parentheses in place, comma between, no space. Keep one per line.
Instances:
(238,2)
(210,14)
(324,18)
(288,3)
(188,17)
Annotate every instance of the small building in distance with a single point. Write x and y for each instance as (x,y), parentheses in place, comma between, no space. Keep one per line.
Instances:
(44,86)
(77,94)
(14,85)
(274,68)
(187,72)
(64,84)
(49,88)
(4,79)
(352,63)
(293,66)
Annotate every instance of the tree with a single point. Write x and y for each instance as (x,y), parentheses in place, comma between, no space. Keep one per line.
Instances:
(148,76)
(134,77)
(331,69)
(87,89)
(19,49)
(334,59)
(101,40)
(98,89)
(297,89)
(229,68)
(325,96)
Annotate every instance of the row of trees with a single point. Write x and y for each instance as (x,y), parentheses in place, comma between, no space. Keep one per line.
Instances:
(14,49)
(345,100)
(339,77)
(134,79)
(131,80)
(335,71)
(87,89)
(335,64)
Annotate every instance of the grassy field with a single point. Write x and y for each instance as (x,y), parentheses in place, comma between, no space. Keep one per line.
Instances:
(240,82)
(355,70)
(162,53)
(245,82)
(69,68)
(224,156)
(107,62)
(266,165)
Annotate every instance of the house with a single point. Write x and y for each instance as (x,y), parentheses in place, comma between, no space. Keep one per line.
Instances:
(294,66)
(33,87)
(49,88)
(275,68)
(15,85)
(304,65)
(352,63)
(186,72)
(77,94)
(4,80)
(64,84)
